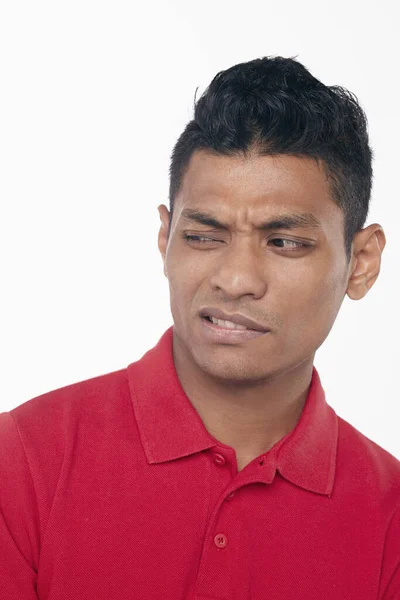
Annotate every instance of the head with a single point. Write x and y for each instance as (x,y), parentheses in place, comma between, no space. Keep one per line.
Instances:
(268,142)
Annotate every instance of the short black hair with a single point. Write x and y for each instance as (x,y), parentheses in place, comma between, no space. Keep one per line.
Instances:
(275,106)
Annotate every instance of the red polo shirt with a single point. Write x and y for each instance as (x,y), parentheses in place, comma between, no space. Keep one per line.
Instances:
(112,489)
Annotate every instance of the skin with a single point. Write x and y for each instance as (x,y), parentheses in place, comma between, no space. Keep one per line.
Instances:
(250,395)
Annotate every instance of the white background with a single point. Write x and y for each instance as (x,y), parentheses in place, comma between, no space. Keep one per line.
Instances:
(93,97)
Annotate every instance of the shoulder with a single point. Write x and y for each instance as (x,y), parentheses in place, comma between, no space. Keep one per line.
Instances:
(37,441)
(59,406)
(38,438)
(368,465)
(44,427)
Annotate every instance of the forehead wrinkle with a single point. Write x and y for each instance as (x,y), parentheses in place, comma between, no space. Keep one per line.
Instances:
(278,220)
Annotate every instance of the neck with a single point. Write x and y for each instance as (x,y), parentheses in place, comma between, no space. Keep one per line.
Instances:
(250,419)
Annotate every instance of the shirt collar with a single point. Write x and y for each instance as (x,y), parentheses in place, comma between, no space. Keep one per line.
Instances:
(170,427)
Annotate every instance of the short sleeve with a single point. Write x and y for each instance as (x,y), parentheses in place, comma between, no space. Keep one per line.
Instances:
(390,574)
(18,517)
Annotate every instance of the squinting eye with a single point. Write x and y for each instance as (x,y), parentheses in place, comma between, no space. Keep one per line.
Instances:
(296,244)
(203,240)
(198,238)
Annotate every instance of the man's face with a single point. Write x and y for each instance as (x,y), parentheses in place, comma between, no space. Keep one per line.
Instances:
(294,291)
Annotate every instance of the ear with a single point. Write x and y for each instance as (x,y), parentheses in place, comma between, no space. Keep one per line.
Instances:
(163,232)
(368,245)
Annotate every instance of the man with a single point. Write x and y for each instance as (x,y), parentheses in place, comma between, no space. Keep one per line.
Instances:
(213,467)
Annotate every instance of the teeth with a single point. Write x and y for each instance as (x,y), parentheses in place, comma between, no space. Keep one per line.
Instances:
(227,324)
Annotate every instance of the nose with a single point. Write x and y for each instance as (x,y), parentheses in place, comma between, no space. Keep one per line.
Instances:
(240,270)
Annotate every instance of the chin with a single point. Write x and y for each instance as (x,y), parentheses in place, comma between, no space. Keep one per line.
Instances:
(229,369)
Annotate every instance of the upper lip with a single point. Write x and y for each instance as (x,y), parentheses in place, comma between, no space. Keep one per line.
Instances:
(235,318)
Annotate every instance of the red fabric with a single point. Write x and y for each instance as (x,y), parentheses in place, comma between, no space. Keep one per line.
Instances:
(112,489)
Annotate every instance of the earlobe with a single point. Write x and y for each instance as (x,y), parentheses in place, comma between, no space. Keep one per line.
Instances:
(358,288)
(161,248)
(162,243)
(368,247)
(163,234)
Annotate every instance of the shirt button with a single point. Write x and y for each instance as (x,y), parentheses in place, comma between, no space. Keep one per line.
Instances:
(219,459)
(220,540)
(230,496)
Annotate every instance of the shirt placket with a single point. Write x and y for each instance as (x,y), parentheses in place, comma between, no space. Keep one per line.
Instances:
(222,573)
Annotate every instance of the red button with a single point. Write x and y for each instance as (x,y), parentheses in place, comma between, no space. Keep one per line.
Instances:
(230,495)
(219,459)
(220,540)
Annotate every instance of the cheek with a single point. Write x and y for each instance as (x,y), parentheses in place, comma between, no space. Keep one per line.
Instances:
(183,285)
(310,295)
(184,273)
(314,305)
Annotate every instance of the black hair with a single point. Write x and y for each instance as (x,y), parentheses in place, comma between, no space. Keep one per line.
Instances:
(275,106)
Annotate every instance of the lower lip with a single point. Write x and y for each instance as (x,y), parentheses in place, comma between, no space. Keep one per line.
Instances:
(216,333)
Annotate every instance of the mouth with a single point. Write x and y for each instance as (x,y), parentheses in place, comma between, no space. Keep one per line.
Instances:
(231,320)
(218,331)
(227,324)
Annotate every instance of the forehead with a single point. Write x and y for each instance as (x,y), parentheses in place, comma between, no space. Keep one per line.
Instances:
(246,188)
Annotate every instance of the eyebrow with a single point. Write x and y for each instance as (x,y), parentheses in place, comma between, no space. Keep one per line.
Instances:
(288,221)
